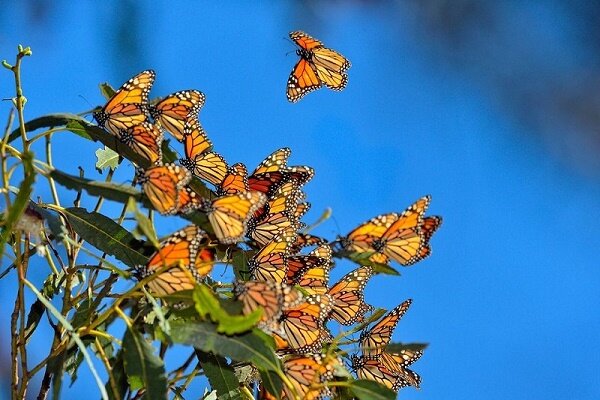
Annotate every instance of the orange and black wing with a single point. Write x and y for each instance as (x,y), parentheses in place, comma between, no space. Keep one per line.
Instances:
(175,110)
(348,298)
(128,106)
(144,139)
(374,340)
(162,184)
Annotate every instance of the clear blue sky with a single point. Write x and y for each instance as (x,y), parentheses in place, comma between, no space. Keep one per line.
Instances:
(509,299)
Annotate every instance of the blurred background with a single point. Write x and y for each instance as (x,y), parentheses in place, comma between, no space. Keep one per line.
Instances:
(490,107)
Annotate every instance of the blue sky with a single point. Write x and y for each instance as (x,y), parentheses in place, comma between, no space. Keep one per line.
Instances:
(507,299)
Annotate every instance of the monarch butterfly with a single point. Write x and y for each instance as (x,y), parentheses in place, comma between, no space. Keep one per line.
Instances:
(236,180)
(361,238)
(128,106)
(277,215)
(144,139)
(428,228)
(176,109)
(270,263)
(229,214)
(273,172)
(188,200)
(307,375)
(318,66)
(162,184)
(373,341)
(271,296)
(374,370)
(311,272)
(186,253)
(399,363)
(402,241)
(195,141)
(302,325)
(305,240)
(348,298)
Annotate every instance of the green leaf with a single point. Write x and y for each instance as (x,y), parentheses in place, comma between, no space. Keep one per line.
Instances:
(107,158)
(208,305)
(106,90)
(363,259)
(220,375)
(111,191)
(144,369)
(145,226)
(107,236)
(371,390)
(83,313)
(398,347)
(18,206)
(118,387)
(249,347)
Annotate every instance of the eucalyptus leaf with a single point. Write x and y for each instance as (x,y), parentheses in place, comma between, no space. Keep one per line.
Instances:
(220,375)
(371,390)
(106,158)
(144,369)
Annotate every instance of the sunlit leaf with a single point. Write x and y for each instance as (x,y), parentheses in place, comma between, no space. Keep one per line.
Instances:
(220,375)
(208,305)
(106,158)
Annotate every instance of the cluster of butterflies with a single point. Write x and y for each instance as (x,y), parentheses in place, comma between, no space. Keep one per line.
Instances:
(264,209)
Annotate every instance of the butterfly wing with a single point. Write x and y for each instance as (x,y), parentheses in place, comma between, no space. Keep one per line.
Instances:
(331,66)
(161,184)
(348,298)
(235,181)
(303,79)
(210,167)
(302,325)
(229,214)
(144,139)
(373,341)
(270,263)
(128,106)
(402,241)
(399,362)
(176,109)
(374,370)
(311,272)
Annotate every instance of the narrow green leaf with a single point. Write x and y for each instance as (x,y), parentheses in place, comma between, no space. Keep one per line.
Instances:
(21,200)
(106,158)
(398,347)
(208,305)
(110,191)
(248,347)
(363,259)
(145,225)
(144,369)
(118,388)
(371,390)
(83,313)
(271,382)
(220,375)
(108,236)
(106,90)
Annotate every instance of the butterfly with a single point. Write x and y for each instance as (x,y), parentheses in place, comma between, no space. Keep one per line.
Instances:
(311,272)
(175,110)
(374,340)
(144,139)
(305,240)
(277,215)
(270,263)
(400,237)
(128,106)
(235,181)
(399,363)
(209,166)
(273,171)
(272,297)
(229,215)
(348,298)
(308,374)
(162,184)
(318,66)
(189,259)
(375,370)
(188,200)
(302,326)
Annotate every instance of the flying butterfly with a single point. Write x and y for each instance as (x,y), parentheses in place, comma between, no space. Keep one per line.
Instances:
(374,340)
(348,298)
(428,228)
(162,184)
(175,110)
(361,238)
(273,172)
(270,263)
(189,259)
(317,66)
(302,326)
(144,139)
(128,106)
(229,215)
